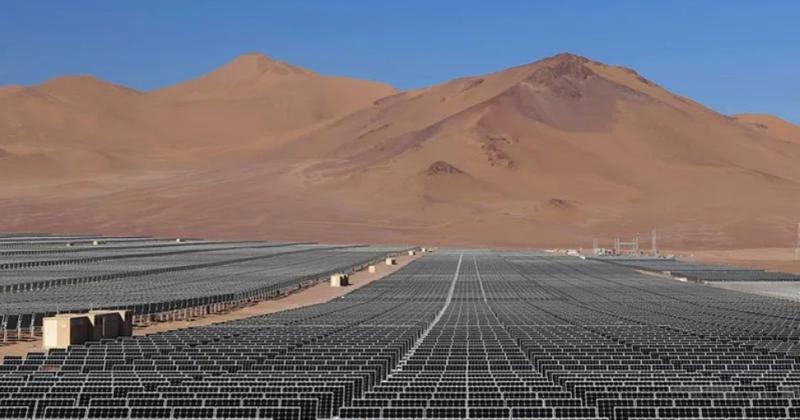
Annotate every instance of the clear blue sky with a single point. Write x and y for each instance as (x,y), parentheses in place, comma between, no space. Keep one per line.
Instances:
(734,56)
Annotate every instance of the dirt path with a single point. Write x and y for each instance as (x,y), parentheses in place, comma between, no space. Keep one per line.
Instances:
(318,293)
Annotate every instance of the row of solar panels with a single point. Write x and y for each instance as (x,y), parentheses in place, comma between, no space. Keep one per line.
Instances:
(696,271)
(34,241)
(169,278)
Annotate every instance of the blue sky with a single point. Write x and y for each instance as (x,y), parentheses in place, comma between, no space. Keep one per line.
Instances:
(734,56)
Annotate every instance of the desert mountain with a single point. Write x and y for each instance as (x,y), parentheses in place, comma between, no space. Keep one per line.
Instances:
(563,144)
(550,153)
(73,126)
(67,126)
(255,102)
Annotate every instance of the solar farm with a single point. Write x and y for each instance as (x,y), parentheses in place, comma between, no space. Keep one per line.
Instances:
(453,334)
(42,276)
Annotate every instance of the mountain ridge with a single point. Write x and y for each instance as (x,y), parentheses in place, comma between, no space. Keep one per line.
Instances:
(552,152)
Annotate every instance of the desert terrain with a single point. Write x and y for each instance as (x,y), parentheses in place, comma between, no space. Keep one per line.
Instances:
(552,153)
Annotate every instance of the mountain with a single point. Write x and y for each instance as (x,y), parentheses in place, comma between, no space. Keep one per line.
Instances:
(552,153)
(564,147)
(254,102)
(80,125)
(68,126)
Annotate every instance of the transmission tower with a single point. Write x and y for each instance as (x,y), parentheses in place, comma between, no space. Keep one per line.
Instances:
(627,247)
(654,243)
(797,246)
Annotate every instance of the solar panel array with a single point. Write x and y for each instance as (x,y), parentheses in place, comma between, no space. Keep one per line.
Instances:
(149,275)
(452,335)
(696,271)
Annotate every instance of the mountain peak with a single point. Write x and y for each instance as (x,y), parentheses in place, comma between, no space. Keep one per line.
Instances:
(566,56)
(562,65)
(77,79)
(254,64)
